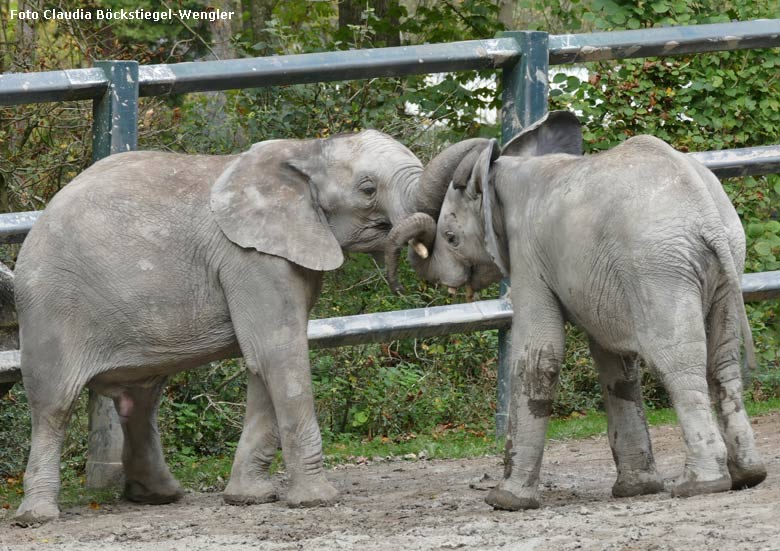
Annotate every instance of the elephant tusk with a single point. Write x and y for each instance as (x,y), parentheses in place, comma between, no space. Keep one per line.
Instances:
(452,290)
(420,249)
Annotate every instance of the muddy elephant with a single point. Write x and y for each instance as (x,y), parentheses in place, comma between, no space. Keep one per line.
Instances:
(640,247)
(150,263)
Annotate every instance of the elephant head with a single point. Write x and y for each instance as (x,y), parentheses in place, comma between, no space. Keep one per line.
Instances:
(306,200)
(468,242)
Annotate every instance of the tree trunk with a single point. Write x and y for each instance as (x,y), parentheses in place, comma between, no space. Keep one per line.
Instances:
(23,57)
(260,13)
(506,14)
(222,30)
(386,11)
(223,130)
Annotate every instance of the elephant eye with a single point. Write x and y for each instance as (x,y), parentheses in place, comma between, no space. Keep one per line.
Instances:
(367,187)
(451,238)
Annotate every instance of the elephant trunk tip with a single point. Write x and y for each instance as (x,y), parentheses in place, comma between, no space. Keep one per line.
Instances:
(418,231)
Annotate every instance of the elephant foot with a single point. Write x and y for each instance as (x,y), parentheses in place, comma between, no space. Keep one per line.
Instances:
(692,487)
(637,483)
(29,514)
(502,498)
(746,475)
(160,494)
(250,494)
(311,492)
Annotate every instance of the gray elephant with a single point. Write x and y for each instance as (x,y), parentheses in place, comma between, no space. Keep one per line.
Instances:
(640,247)
(150,263)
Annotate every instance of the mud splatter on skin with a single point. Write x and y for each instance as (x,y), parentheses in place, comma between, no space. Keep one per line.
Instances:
(509,458)
(540,408)
(629,391)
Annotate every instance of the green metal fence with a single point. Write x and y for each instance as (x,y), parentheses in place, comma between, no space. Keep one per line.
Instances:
(523,58)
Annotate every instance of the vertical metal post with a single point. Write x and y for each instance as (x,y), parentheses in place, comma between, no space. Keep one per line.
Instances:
(114,129)
(524,101)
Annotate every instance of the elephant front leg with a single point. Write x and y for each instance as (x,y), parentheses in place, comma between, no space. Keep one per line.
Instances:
(249,480)
(537,352)
(288,379)
(629,437)
(269,304)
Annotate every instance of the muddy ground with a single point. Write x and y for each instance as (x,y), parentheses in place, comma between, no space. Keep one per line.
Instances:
(430,505)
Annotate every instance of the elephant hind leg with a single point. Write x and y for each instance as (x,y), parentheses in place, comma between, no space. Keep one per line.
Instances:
(629,437)
(249,479)
(147,477)
(52,401)
(673,341)
(725,383)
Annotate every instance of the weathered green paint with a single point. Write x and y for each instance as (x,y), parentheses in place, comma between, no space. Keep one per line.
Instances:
(75,84)
(327,66)
(665,41)
(525,84)
(71,84)
(524,101)
(115,126)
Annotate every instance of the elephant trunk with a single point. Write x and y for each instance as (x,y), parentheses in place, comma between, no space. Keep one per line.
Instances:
(438,174)
(419,230)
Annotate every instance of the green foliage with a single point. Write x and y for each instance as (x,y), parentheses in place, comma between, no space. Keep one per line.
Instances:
(405,386)
(202,411)
(14,432)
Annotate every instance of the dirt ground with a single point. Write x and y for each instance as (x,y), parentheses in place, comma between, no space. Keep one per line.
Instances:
(394,505)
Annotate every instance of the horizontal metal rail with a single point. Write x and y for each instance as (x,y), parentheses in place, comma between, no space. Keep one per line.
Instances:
(747,161)
(257,72)
(80,84)
(664,41)
(424,322)
(72,84)
(726,163)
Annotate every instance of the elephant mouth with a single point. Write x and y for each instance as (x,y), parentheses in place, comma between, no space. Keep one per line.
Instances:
(481,276)
(368,239)
(382,227)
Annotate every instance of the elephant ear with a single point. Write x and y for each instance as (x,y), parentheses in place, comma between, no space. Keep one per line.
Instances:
(484,184)
(264,200)
(556,132)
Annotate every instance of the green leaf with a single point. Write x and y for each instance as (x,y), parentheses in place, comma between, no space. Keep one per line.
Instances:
(660,7)
(360,418)
(755,229)
(763,248)
(772,226)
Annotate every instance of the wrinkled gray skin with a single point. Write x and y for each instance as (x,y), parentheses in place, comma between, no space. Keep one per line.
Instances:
(151,263)
(639,246)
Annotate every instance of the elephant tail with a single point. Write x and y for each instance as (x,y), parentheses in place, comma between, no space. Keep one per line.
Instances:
(9,332)
(718,243)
